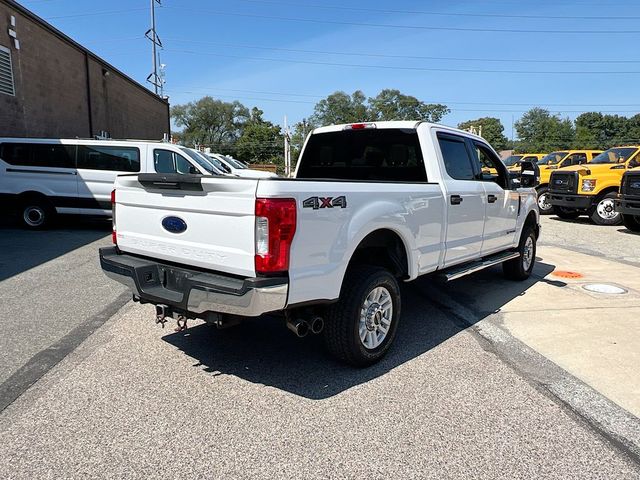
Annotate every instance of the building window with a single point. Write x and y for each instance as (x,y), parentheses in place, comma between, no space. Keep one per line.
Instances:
(6,72)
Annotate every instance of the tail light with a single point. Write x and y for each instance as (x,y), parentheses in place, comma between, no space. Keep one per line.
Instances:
(114,235)
(275,228)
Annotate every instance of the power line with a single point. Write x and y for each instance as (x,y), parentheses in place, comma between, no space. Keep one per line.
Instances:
(407,57)
(93,14)
(446,102)
(415,27)
(444,14)
(424,69)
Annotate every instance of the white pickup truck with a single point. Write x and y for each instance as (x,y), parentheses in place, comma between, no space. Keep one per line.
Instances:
(371,204)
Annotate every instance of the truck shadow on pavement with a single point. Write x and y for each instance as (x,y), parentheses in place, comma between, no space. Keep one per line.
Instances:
(23,249)
(263,351)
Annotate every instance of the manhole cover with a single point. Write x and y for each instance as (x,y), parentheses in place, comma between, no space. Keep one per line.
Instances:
(566,274)
(604,288)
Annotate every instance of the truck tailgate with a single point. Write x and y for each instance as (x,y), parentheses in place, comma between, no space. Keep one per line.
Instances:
(205,222)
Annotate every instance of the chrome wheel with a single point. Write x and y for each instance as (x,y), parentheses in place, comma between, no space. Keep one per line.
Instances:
(606,209)
(376,315)
(34,216)
(543,202)
(527,254)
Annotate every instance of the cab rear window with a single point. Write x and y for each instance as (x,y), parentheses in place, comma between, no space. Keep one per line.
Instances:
(391,154)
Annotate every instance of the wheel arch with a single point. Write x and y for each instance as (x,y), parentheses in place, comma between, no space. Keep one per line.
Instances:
(383,247)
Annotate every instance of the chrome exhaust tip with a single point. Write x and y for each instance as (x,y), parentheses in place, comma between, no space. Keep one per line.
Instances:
(317,325)
(298,326)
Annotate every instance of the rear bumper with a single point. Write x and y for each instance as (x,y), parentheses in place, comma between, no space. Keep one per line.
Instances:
(628,205)
(570,200)
(191,291)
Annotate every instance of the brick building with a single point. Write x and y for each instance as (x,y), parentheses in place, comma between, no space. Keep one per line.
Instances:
(51,86)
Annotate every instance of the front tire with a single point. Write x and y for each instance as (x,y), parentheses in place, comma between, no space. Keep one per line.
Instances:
(520,268)
(631,222)
(604,211)
(36,213)
(363,323)
(543,201)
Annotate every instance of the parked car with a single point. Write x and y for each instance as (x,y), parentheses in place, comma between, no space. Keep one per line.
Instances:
(235,167)
(371,205)
(628,201)
(554,161)
(43,177)
(592,189)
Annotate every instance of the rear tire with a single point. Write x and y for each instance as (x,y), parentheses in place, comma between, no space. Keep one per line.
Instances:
(361,326)
(604,212)
(631,222)
(36,213)
(567,213)
(520,268)
(543,201)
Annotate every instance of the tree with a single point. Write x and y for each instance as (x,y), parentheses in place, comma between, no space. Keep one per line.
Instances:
(392,105)
(539,131)
(492,131)
(260,142)
(595,130)
(339,107)
(211,122)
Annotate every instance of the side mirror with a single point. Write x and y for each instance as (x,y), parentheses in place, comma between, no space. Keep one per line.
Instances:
(529,174)
(193,170)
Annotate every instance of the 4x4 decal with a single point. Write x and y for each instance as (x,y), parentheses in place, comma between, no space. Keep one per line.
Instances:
(325,202)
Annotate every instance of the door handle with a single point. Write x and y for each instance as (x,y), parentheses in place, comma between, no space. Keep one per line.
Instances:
(456,199)
(492,198)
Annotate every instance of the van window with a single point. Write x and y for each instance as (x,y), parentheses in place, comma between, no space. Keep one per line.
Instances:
(391,154)
(166,161)
(119,159)
(38,155)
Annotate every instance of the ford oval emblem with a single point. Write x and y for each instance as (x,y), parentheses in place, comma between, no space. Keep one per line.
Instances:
(174,224)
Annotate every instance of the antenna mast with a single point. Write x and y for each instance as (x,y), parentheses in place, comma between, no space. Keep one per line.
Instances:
(153,78)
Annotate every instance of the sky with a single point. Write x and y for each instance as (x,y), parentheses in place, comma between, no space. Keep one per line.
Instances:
(479,57)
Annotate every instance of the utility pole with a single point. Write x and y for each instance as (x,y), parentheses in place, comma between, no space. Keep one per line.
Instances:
(153,78)
(287,149)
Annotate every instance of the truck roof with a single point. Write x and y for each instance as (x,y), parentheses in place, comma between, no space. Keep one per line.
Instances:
(409,124)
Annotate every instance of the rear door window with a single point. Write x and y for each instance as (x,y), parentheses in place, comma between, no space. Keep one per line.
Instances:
(119,159)
(38,155)
(388,154)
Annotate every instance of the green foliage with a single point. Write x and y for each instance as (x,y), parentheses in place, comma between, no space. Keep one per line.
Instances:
(492,131)
(392,105)
(211,122)
(260,142)
(539,131)
(595,130)
(340,107)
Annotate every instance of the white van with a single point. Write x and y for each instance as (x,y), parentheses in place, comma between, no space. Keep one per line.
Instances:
(43,177)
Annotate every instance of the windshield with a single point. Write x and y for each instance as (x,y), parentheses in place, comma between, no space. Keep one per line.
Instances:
(512,160)
(235,163)
(218,164)
(615,155)
(195,156)
(552,158)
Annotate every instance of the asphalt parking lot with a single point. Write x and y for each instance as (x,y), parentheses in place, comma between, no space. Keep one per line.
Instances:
(464,393)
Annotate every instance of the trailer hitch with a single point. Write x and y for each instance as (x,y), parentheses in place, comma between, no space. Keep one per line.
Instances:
(162,312)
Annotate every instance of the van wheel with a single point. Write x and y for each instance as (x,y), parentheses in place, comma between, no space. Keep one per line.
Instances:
(362,325)
(567,213)
(520,268)
(604,211)
(632,222)
(36,213)
(543,201)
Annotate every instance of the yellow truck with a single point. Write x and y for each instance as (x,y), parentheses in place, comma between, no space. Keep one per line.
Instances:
(592,189)
(628,201)
(553,161)
(513,162)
